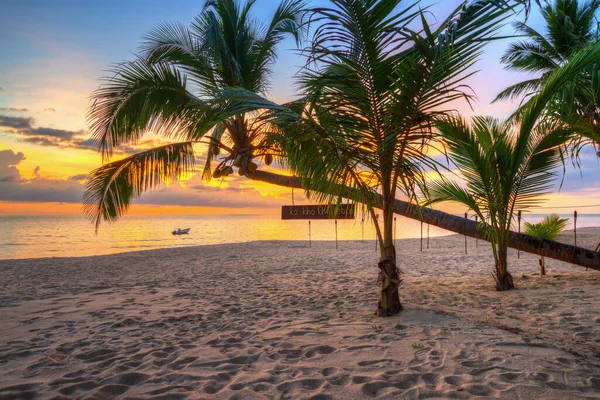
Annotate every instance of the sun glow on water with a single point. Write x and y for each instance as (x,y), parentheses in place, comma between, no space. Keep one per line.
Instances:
(60,236)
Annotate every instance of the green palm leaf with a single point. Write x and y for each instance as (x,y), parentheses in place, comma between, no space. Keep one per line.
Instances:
(111,188)
(548,228)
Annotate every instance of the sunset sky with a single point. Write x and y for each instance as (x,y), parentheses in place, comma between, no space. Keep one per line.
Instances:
(55,51)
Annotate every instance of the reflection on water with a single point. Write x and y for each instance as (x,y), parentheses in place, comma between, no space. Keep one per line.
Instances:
(23,237)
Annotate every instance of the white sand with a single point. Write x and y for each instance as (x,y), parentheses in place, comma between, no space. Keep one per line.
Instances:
(279,320)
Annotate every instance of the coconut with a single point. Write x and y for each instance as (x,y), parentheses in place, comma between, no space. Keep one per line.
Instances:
(216,150)
(268,159)
(252,166)
(250,174)
(242,171)
(237,162)
(217,173)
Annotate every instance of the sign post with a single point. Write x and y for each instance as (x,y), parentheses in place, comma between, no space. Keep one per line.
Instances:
(362,226)
(377,222)
(476,240)
(394,231)
(519,219)
(336,242)
(421,236)
(466,216)
(575,226)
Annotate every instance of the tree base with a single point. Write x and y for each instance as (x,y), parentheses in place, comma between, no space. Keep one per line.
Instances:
(542,267)
(389,278)
(504,282)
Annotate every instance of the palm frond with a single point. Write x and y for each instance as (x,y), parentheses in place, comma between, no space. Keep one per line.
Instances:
(139,98)
(110,189)
(548,229)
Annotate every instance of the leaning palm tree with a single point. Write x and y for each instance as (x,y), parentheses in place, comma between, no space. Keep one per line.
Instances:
(547,229)
(171,89)
(570,26)
(505,168)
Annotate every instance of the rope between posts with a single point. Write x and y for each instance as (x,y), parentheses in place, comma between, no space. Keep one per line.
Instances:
(571,207)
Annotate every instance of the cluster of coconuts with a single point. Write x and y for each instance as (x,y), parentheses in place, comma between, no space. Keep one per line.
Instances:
(222,172)
(242,161)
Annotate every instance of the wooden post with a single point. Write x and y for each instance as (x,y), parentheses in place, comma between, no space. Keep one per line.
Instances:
(309,235)
(336,242)
(428,236)
(394,231)
(362,225)
(466,216)
(421,236)
(476,240)
(377,222)
(575,226)
(519,219)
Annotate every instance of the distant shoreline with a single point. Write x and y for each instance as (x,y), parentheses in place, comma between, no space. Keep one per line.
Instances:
(566,238)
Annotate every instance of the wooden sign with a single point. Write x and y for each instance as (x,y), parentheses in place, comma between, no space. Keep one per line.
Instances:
(345,211)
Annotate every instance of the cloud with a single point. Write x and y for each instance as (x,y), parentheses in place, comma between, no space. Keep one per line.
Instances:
(13,187)
(40,141)
(50,109)
(62,138)
(44,136)
(60,134)
(13,109)
(87,144)
(78,177)
(8,162)
(9,157)
(15,122)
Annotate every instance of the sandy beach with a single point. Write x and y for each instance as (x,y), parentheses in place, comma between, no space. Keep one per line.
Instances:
(280,320)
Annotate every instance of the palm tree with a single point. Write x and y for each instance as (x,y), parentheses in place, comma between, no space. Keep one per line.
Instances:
(373,88)
(547,229)
(172,89)
(504,169)
(570,26)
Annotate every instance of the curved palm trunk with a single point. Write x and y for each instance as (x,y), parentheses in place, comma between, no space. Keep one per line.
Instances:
(547,248)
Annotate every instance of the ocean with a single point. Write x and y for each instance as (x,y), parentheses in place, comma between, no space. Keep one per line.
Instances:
(70,236)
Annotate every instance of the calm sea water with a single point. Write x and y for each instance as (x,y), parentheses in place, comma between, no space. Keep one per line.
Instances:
(29,236)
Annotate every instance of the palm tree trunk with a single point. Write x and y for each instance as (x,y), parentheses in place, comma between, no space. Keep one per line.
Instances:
(504,280)
(389,276)
(542,266)
(547,248)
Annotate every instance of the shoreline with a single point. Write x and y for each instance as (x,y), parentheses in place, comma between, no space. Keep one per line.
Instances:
(563,238)
(276,319)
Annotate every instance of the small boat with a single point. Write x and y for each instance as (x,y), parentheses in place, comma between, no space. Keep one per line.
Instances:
(180,231)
